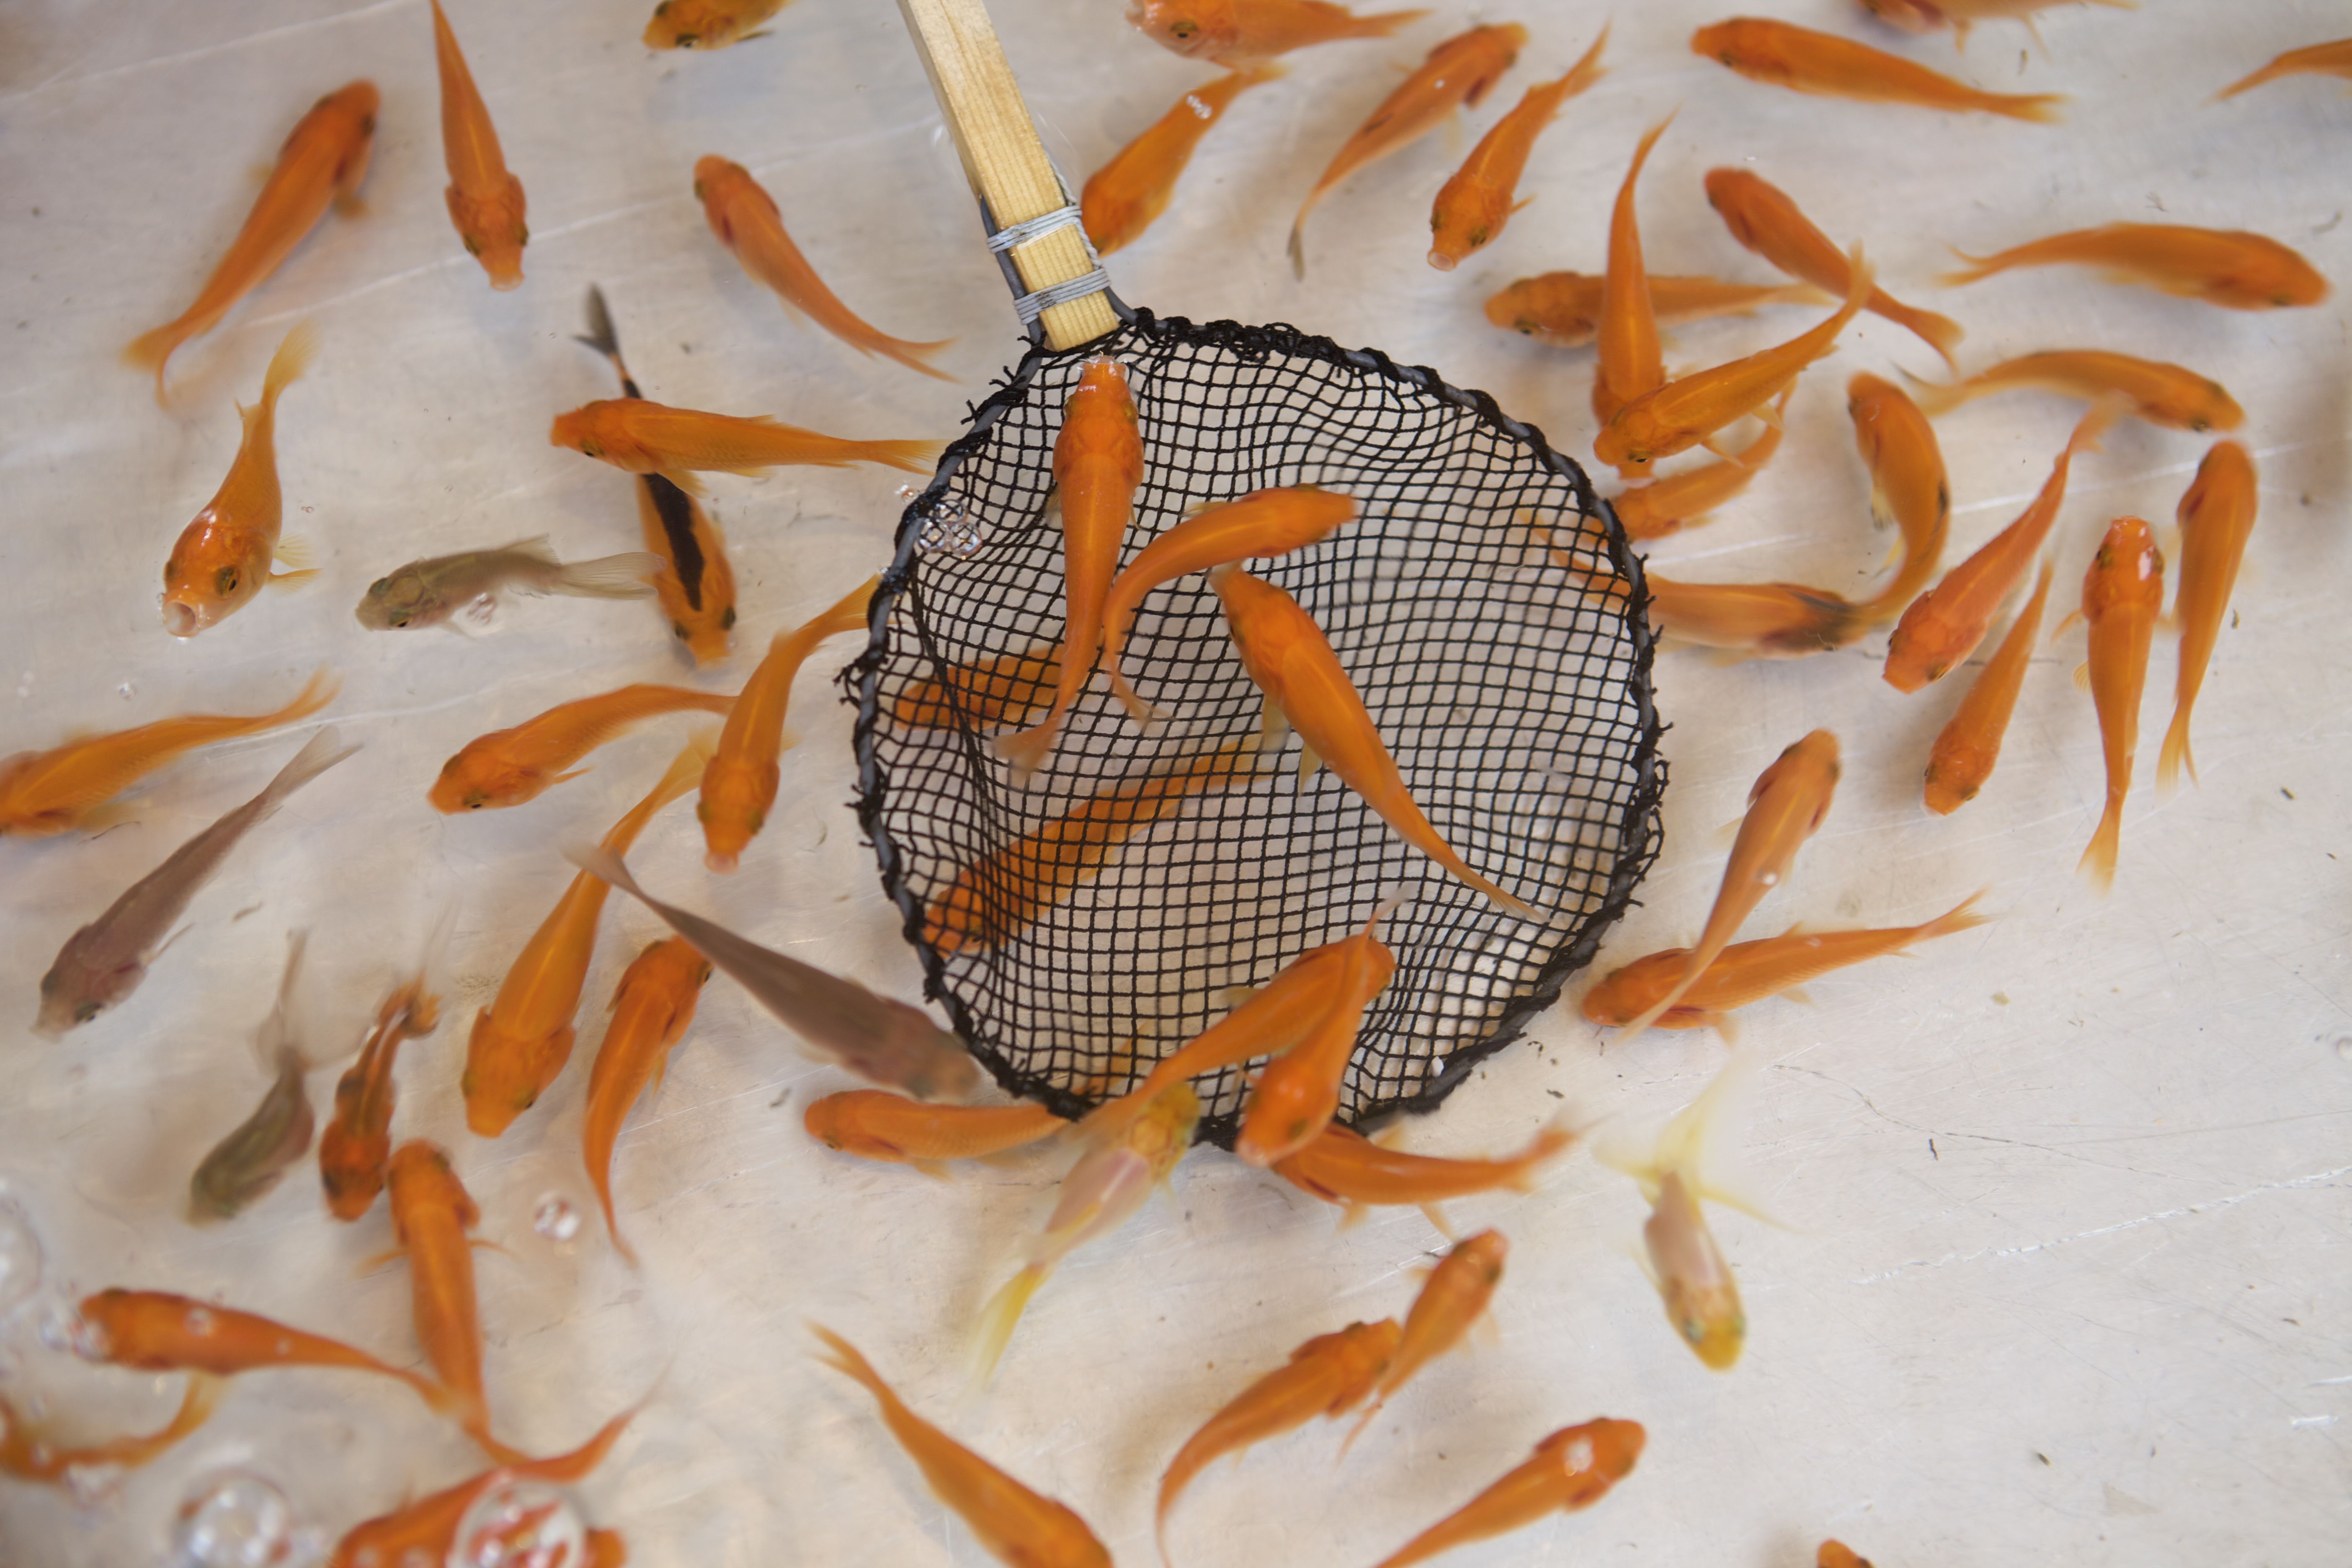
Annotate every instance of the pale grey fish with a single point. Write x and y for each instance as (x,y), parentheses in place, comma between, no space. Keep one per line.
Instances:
(105,961)
(249,1162)
(427,593)
(882,1041)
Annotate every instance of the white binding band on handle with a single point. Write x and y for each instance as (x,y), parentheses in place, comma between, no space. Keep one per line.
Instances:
(1014,233)
(1030,306)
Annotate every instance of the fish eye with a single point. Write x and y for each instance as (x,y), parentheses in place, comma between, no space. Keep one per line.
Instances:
(1693,1331)
(522,234)
(686,40)
(699,195)
(679,627)
(590,447)
(398,621)
(1183,29)
(662,9)
(473,800)
(226,579)
(727,621)
(1477,236)
(86,1012)
(473,246)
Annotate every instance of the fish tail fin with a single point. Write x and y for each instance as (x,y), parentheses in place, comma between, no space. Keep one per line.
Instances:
(1977,268)
(2099,855)
(499,1453)
(1935,397)
(1028,749)
(1000,1317)
(624,576)
(295,353)
(1959,918)
(600,1176)
(599,335)
(1382,25)
(2041,108)
(306,765)
(913,457)
(848,1360)
(1143,712)
(2176,753)
(913,356)
(1860,282)
(2269,73)
(151,352)
(605,866)
(1938,333)
(316,693)
(1555,1136)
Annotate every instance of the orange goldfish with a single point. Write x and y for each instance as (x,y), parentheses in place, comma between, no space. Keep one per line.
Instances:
(1656,509)
(324,159)
(748,222)
(1456,75)
(739,785)
(2221,267)
(426,1530)
(1004,689)
(1563,309)
(1761,217)
(641,437)
(1298,1092)
(1751,971)
(696,585)
(1782,55)
(1573,1469)
(1014,1524)
(1969,742)
(707,24)
(155,1330)
(1125,196)
(1098,463)
(651,1009)
(998,897)
(1287,656)
(1473,207)
(1227,30)
(1328,1376)
(1454,1296)
(508,767)
(521,1040)
(2216,514)
(1785,808)
(2316,60)
(874,1125)
(1687,413)
(1346,1168)
(433,1218)
(29,1453)
(1101,1193)
(2123,594)
(2161,394)
(1260,526)
(1760,620)
(1838,1555)
(1908,487)
(222,558)
(357,1142)
(1942,626)
(1631,364)
(485,201)
(47,793)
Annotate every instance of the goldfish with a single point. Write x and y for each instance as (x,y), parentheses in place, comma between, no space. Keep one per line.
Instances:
(1631,361)
(2221,267)
(739,785)
(508,767)
(485,202)
(1098,463)
(1838,1555)
(1761,217)
(1686,413)
(999,896)
(1907,486)
(707,24)
(1227,30)
(2160,394)
(1298,1093)
(43,793)
(433,1218)
(427,593)
(1452,1299)
(875,1125)
(1961,16)
(1261,525)
(696,585)
(1573,1469)
(1563,309)
(103,962)
(1785,808)
(1344,1167)
(1656,509)
(1749,971)
(323,159)
(2123,595)
(1941,628)
(1758,620)
(641,437)
(155,1330)
(1014,1524)
(357,1142)
(1780,54)
(1101,1193)
(29,1453)
(1911,15)
(651,1009)
(1306,689)
(249,1162)
(1473,207)
(1456,74)
(2333,59)
(749,224)
(1003,689)
(1969,742)
(222,558)
(1328,1375)
(426,1530)
(884,1042)
(2216,514)
(1127,196)
(521,1041)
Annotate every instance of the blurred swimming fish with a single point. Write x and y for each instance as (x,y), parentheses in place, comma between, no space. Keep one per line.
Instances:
(222,558)
(1298,1093)
(707,24)
(433,1220)
(508,767)
(1573,1469)
(2160,394)
(1908,484)
(2221,267)
(250,1161)
(427,593)
(1472,205)
(651,1009)
(1451,1298)
(1005,689)
(1780,54)
(485,202)
(1630,362)
(1227,31)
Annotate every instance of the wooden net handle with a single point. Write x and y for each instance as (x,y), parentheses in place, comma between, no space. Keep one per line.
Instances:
(1004,159)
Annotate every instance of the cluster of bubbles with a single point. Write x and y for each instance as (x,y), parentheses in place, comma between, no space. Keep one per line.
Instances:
(520,1523)
(555,1218)
(237,1519)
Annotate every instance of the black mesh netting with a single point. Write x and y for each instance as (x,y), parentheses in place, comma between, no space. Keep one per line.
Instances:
(1514,697)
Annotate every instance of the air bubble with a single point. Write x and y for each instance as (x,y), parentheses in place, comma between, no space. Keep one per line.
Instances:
(20,1256)
(521,1524)
(199,1322)
(127,690)
(92,1486)
(555,1218)
(950,526)
(2344,1047)
(233,1521)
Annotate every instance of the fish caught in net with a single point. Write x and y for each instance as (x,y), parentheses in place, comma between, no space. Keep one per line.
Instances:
(1082,927)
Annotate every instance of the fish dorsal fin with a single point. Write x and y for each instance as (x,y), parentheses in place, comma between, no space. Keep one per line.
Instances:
(536,547)
(1310,762)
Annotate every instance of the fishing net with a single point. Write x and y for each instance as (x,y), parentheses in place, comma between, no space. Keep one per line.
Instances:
(1509,684)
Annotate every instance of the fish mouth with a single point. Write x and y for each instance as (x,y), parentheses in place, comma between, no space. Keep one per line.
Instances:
(182,620)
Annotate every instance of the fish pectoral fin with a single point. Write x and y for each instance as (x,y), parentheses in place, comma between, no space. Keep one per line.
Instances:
(1798,994)
(1273,726)
(2083,676)
(1436,1218)
(936,1169)
(1353,1214)
(292,579)
(1486,1331)
(574,773)
(349,204)
(375,1261)
(687,481)
(292,552)
(1310,762)
(1523,201)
